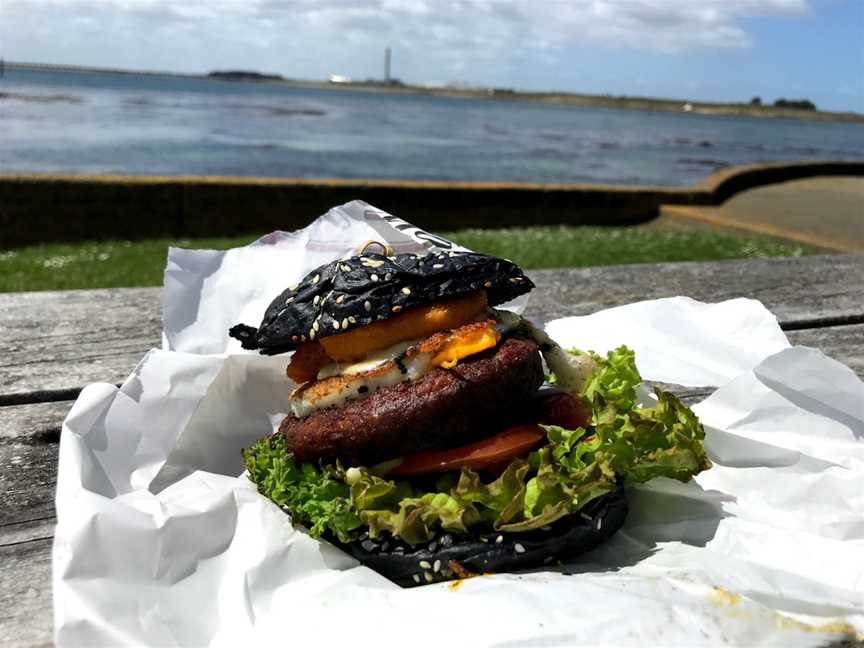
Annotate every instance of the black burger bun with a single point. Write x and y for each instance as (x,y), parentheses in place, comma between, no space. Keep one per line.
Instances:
(450,556)
(349,293)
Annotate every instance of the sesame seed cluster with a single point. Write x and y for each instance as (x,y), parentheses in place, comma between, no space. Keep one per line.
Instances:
(347,293)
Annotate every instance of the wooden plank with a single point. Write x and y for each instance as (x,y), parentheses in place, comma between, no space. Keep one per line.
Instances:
(29,436)
(843,343)
(800,291)
(64,340)
(26,616)
(29,441)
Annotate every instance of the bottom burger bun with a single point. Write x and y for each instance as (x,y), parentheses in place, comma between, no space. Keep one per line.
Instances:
(451,556)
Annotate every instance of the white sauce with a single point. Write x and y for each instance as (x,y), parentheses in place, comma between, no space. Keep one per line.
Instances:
(370,362)
(572,371)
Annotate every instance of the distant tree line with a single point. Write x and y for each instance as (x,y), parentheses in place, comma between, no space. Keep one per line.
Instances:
(243,75)
(798,104)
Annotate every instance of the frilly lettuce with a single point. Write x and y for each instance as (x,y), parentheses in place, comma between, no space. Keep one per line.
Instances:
(622,443)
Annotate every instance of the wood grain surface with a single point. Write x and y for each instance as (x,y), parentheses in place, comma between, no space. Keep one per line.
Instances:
(56,342)
(53,343)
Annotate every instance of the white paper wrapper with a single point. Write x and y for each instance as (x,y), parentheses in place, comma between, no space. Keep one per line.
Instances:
(160,541)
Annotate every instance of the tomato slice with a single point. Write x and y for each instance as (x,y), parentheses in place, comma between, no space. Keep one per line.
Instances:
(557,407)
(493,451)
(307,361)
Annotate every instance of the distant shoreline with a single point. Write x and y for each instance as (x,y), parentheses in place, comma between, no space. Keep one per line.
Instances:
(649,104)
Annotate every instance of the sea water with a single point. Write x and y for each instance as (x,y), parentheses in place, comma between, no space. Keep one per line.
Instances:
(74,122)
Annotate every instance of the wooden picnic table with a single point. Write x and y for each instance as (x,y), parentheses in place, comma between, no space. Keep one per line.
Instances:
(53,343)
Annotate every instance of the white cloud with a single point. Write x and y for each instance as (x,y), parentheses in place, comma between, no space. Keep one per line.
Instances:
(305,37)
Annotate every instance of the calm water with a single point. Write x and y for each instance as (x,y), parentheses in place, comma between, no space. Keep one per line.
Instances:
(104,123)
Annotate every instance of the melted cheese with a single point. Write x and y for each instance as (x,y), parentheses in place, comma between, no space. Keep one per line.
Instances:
(462,346)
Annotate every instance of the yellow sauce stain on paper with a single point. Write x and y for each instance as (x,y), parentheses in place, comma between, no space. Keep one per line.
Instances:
(831,627)
(722,596)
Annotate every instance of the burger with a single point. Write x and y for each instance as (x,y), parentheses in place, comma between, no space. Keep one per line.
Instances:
(433,436)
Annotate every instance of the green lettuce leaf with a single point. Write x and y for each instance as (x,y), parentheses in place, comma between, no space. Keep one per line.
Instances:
(316,497)
(622,443)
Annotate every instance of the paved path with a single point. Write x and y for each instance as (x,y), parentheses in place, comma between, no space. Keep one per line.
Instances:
(827,212)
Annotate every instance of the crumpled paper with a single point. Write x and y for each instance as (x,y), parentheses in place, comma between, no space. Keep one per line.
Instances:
(161,541)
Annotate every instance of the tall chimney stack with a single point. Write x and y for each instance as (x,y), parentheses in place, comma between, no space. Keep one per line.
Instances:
(387,65)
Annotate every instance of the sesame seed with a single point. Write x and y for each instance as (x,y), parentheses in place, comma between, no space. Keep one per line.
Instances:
(336,324)
(599,523)
(499,539)
(519,548)
(367,306)
(437,266)
(437,566)
(416,578)
(315,324)
(424,564)
(433,546)
(340,299)
(488,284)
(294,338)
(345,323)
(352,319)
(312,334)
(585,516)
(548,559)
(396,308)
(289,300)
(315,279)
(429,578)
(345,267)
(388,276)
(316,300)
(546,528)
(406,291)
(373,277)
(302,338)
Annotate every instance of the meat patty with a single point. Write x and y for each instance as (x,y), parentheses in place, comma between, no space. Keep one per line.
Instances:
(445,408)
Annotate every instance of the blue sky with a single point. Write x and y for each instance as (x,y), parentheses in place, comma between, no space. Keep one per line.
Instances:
(724,50)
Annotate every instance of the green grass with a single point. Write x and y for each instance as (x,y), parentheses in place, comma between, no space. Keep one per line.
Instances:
(123,263)
(559,247)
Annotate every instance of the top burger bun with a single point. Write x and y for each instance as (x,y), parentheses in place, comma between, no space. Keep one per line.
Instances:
(347,294)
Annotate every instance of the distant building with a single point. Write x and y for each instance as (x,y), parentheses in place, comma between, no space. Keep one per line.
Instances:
(338,78)
(387,65)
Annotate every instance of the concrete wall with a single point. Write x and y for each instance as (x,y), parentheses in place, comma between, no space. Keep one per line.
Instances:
(42,208)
